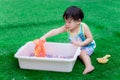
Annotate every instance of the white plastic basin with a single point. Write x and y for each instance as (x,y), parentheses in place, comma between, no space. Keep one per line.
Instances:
(27,60)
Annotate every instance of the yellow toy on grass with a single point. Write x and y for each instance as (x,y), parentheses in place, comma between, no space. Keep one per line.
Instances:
(104,59)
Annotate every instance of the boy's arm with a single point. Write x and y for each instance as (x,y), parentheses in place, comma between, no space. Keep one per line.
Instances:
(54,32)
(88,36)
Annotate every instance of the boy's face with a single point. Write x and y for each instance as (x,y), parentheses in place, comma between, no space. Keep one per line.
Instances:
(71,24)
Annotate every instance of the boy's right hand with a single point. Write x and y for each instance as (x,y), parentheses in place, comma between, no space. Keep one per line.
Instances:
(36,41)
(42,38)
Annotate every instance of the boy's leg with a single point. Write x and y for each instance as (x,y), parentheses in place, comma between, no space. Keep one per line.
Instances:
(87,61)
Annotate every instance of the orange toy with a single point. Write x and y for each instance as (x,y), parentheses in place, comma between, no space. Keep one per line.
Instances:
(104,59)
(39,48)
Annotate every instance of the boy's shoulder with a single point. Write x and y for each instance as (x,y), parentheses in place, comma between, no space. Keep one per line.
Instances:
(84,24)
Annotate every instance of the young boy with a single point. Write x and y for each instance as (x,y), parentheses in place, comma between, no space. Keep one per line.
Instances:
(79,35)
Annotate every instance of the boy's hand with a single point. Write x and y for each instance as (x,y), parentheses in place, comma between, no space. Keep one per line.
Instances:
(77,43)
(36,41)
(43,38)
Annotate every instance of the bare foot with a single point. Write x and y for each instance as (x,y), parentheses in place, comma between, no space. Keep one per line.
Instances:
(88,69)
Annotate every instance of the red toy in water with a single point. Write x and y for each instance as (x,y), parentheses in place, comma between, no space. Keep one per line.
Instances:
(39,48)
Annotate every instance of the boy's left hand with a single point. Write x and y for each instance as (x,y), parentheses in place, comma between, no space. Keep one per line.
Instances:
(77,43)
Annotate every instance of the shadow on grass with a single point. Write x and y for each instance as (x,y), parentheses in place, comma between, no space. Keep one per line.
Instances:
(16,25)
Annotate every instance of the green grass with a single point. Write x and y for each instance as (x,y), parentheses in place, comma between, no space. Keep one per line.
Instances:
(25,20)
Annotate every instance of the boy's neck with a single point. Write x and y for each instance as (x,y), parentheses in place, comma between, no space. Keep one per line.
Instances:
(76,29)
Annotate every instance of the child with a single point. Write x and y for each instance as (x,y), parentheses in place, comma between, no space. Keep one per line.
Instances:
(79,35)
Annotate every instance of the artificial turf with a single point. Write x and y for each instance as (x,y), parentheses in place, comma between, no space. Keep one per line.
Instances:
(25,20)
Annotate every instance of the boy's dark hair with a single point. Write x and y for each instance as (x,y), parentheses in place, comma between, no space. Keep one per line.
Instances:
(73,12)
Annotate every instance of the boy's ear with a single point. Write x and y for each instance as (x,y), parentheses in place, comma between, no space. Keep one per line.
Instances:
(79,20)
